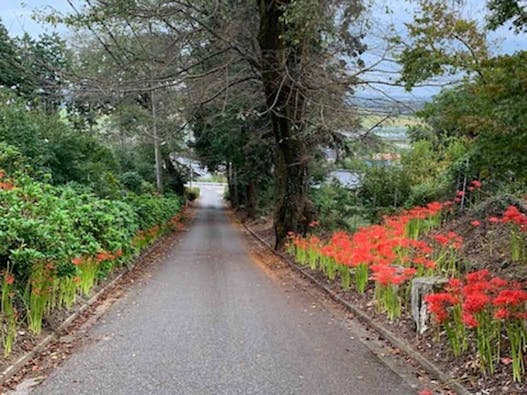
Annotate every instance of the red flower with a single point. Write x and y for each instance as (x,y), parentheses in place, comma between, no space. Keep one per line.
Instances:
(475,223)
(494,220)
(313,224)
(480,275)
(476,184)
(441,239)
(475,302)
(511,297)
(438,303)
(498,282)
(76,261)
(502,314)
(454,284)
(469,320)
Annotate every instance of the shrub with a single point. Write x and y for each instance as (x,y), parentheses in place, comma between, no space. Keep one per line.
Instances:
(337,207)
(383,190)
(57,241)
(132,181)
(191,194)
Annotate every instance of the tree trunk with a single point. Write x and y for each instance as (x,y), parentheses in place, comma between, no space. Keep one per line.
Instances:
(251,199)
(284,96)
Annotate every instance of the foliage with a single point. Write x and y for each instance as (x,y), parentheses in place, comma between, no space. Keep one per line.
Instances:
(132,181)
(57,240)
(440,42)
(34,68)
(491,113)
(224,138)
(487,108)
(383,190)
(53,147)
(191,194)
(337,207)
(502,11)
(429,165)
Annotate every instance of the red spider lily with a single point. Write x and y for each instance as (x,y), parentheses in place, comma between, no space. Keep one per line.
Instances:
(390,275)
(494,220)
(513,215)
(477,276)
(6,186)
(498,283)
(511,298)
(476,184)
(103,256)
(77,261)
(438,304)
(454,285)
(426,391)
(9,279)
(476,302)
(469,320)
(441,239)
(313,224)
(423,261)
(460,194)
(451,239)
(502,314)
(475,223)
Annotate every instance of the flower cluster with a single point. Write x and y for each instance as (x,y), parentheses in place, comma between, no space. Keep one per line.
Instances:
(389,254)
(484,305)
(517,222)
(473,187)
(514,216)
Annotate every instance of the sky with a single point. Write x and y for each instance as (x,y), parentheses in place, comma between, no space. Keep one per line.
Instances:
(16,16)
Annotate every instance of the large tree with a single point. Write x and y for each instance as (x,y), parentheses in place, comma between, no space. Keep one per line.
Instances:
(487,104)
(300,43)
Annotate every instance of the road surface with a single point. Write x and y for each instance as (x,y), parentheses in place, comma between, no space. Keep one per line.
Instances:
(211,321)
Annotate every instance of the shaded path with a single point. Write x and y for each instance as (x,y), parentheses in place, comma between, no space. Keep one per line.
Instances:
(210,321)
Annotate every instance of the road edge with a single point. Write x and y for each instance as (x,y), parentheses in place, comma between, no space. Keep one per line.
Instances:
(430,367)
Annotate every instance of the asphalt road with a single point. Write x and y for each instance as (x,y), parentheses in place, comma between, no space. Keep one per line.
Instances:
(211,321)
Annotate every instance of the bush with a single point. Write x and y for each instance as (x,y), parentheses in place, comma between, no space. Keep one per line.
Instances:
(427,192)
(384,189)
(132,181)
(56,241)
(336,208)
(191,194)
(153,210)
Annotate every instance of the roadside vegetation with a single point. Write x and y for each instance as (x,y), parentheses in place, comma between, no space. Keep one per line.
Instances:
(75,203)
